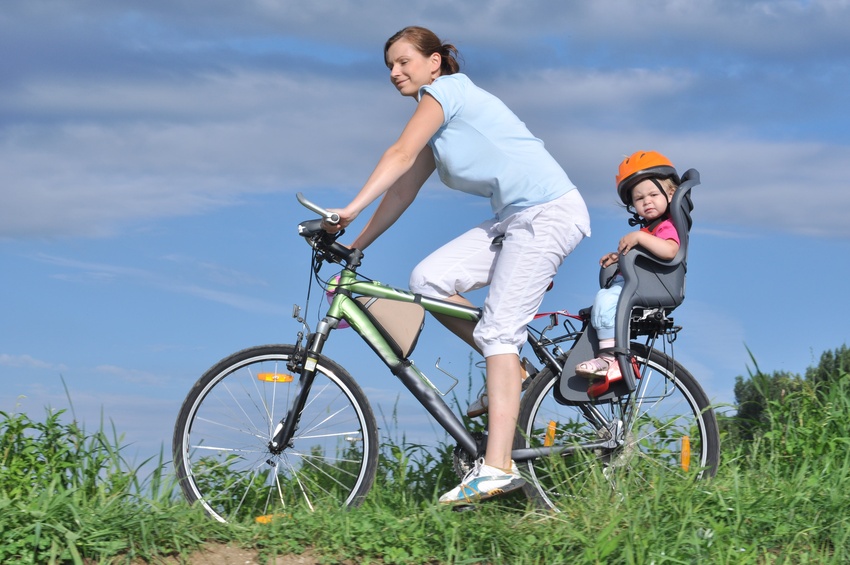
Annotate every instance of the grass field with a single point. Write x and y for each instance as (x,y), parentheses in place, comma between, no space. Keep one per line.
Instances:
(68,496)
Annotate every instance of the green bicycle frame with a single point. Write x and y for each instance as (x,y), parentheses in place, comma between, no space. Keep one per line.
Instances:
(343,307)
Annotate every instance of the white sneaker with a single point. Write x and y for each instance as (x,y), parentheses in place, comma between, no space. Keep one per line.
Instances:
(483,482)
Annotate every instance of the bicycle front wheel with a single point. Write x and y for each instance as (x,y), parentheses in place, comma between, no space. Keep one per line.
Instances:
(665,426)
(222,435)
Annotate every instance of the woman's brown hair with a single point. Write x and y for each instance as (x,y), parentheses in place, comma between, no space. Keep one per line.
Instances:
(426,42)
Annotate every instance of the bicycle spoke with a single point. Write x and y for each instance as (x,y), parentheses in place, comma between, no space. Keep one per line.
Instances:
(222,449)
(665,426)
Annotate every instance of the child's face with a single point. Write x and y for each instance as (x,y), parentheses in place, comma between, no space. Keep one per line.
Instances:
(650,202)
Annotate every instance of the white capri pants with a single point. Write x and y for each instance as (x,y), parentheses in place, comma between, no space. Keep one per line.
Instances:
(537,239)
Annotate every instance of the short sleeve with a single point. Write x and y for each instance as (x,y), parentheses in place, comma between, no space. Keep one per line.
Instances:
(666,230)
(450,92)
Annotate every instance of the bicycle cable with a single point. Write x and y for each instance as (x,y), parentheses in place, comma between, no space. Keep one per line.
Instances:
(317,261)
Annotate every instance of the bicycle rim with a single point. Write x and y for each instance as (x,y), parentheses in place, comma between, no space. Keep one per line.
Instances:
(665,427)
(222,435)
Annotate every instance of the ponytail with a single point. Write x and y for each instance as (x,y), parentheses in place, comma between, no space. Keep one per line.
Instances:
(449,53)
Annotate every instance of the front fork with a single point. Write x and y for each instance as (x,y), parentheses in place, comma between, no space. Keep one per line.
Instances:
(305,359)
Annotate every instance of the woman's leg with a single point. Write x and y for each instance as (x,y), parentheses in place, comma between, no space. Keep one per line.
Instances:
(503,395)
(461,328)
(536,242)
(461,265)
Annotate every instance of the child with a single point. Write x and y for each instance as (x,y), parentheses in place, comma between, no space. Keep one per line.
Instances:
(646,183)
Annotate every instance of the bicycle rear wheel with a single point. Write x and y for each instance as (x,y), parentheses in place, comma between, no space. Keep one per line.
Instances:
(222,434)
(666,426)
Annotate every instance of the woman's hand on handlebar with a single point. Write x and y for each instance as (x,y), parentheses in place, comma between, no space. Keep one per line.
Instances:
(345,218)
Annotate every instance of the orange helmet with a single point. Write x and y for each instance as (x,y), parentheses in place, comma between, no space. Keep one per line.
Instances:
(641,165)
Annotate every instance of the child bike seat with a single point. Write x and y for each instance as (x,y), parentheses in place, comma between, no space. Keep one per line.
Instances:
(651,282)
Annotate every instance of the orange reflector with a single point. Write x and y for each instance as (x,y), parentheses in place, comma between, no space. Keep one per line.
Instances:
(275,377)
(549,440)
(686,453)
(268,518)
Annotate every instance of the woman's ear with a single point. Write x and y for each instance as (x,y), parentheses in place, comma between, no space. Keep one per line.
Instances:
(436,62)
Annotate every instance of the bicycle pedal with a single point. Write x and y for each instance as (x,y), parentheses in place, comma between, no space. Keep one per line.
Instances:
(464,507)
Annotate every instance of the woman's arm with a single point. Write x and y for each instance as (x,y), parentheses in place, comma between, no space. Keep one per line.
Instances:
(402,169)
(397,199)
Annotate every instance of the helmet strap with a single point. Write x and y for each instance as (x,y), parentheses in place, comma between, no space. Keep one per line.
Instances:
(657,184)
(654,223)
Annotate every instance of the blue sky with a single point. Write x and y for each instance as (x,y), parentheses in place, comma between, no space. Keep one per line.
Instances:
(150,153)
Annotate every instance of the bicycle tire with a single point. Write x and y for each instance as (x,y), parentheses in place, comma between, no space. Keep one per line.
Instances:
(222,434)
(668,426)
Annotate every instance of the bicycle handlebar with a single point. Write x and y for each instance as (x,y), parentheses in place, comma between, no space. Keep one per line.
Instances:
(330,217)
(324,242)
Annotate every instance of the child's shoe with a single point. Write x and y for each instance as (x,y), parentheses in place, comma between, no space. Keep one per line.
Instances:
(596,368)
(599,367)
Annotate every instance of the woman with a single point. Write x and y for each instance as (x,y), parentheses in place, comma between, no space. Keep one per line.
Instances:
(480,147)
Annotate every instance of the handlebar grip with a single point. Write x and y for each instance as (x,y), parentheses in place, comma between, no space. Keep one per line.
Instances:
(330,217)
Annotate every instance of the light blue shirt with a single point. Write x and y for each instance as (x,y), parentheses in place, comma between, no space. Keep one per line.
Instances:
(483,148)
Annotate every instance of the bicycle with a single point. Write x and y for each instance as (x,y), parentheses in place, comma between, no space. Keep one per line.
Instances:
(278,425)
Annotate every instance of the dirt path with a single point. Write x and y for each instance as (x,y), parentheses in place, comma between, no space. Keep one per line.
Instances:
(220,554)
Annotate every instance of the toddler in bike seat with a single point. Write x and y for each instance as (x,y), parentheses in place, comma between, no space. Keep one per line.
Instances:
(646,182)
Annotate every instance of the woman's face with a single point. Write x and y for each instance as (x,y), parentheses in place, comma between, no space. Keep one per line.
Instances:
(410,69)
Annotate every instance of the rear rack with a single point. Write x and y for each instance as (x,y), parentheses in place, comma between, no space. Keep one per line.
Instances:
(652,321)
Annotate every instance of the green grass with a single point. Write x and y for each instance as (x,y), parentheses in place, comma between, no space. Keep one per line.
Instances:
(68,496)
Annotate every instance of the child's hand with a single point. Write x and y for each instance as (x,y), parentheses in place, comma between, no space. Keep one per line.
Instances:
(629,240)
(664,249)
(609,259)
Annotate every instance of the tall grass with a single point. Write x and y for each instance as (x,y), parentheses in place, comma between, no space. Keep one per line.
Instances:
(69,496)
(781,498)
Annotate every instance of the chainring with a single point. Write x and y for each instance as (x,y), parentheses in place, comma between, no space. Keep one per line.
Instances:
(462,462)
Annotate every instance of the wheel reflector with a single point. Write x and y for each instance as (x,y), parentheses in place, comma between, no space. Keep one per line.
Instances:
(686,453)
(268,518)
(549,440)
(274,377)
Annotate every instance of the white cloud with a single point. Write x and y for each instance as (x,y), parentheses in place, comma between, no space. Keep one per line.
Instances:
(187,118)
(131,376)
(86,272)
(29,362)
(251,133)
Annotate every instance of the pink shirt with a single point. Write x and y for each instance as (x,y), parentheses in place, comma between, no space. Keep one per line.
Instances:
(665,230)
